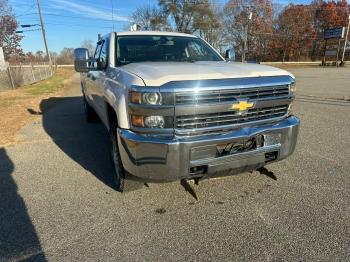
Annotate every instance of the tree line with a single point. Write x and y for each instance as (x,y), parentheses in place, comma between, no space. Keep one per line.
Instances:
(271,31)
(64,57)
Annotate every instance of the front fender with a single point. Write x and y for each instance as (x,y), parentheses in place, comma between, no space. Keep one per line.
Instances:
(116,94)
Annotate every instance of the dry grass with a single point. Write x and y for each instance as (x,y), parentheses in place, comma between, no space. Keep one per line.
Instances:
(19,107)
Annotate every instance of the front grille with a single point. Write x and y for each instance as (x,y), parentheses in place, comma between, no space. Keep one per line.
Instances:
(205,97)
(229,118)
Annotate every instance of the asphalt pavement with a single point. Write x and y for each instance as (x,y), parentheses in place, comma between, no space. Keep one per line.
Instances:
(57,204)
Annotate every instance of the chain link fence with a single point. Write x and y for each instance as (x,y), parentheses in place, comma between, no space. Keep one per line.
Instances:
(23,74)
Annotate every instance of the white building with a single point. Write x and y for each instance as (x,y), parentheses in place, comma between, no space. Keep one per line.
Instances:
(3,64)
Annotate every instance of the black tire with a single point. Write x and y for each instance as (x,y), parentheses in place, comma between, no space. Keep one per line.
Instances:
(90,113)
(119,173)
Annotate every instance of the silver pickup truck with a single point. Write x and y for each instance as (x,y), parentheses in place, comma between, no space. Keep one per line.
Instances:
(176,109)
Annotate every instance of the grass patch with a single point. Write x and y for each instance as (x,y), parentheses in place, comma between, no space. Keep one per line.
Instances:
(49,85)
(46,86)
(15,105)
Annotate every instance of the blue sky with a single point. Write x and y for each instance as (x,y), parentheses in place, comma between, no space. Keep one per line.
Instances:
(69,22)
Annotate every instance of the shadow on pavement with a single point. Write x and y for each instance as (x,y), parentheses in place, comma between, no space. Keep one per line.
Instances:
(85,143)
(18,238)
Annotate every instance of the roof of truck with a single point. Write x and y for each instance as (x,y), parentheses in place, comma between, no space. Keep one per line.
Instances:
(153,33)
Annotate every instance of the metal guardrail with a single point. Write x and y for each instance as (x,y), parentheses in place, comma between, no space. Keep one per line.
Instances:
(23,74)
(292,63)
(65,65)
(298,63)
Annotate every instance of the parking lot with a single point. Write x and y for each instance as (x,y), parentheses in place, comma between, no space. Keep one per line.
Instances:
(56,202)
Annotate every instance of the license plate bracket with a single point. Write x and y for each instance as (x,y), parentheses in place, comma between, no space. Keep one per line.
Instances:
(239,146)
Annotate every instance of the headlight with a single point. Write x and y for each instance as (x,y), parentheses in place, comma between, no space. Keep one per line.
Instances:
(154,121)
(152,98)
(148,121)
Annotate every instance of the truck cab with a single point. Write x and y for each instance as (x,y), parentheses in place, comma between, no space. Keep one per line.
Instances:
(176,109)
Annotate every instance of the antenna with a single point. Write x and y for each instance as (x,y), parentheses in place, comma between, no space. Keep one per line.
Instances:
(112,15)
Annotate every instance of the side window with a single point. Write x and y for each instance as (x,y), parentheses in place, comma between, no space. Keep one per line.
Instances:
(101,54)
(98,50)
(104,52)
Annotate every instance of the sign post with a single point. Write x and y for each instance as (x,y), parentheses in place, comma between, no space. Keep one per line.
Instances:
(337,33)
(346,41)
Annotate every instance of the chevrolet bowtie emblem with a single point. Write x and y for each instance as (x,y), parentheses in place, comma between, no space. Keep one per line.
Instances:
(242,106)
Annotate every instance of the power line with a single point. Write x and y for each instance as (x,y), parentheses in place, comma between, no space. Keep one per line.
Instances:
(287,35)
(23,31)
(77,25)
(28,25)
(26,14)
(112,20)
(76,17)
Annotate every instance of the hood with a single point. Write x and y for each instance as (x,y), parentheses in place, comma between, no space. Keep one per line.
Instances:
(159,73)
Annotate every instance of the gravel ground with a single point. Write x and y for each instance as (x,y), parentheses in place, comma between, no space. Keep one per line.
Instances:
(56,203)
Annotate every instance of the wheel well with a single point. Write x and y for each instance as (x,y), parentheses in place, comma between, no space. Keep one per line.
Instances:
(112,116)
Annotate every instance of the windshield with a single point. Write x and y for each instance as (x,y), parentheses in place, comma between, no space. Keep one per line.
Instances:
(144,48)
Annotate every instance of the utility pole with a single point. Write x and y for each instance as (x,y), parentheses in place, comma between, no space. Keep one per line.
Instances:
(43,32)
(245,47)
(346,41)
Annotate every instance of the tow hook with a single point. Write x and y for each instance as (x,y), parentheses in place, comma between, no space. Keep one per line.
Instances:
(187,186)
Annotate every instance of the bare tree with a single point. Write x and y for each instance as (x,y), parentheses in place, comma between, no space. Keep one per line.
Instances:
(66,56)
(259,35)
(235,21)
(150,18)
(210,27)
(89,45)
(187,16)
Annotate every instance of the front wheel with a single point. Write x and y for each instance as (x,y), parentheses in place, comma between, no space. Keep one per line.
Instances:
(119,173)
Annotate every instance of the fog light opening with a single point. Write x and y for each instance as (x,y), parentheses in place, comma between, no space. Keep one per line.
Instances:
(271,156)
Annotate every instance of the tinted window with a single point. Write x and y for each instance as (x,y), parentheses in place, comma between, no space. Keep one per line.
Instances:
(98,50)
(131,49)
(101,54)
(104,52)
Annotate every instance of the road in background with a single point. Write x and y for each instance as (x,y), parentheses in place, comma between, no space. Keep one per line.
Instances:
(57,204)
(323,82)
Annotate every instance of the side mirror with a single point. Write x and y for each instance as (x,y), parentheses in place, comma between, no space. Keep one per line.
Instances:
(230,54)
(81,61)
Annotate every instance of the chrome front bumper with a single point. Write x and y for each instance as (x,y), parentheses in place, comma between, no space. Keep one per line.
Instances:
(159,159)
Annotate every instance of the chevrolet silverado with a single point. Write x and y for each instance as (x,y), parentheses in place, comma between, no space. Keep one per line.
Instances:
(176,109)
